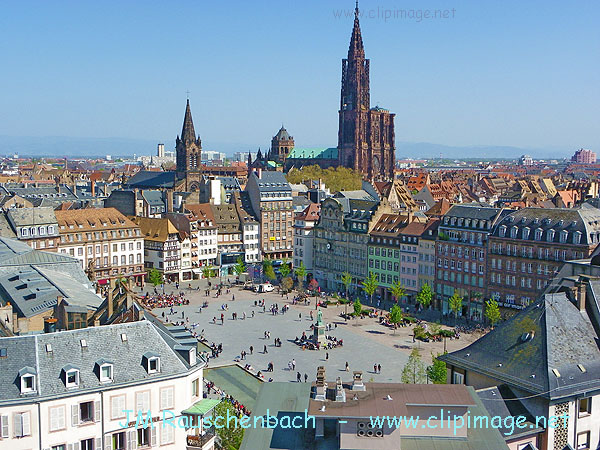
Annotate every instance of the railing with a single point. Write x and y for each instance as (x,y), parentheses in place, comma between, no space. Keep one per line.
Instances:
(201,440)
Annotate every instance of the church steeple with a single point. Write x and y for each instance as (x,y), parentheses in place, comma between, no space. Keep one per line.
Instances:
(356,49)
(188,134)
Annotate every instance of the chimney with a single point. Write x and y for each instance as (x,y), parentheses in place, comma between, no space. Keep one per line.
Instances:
(109,297)
(581,288)
(321,385)
(93,183)
(357,382)
(169,200)
(340,394)
(259,173)
(50,324)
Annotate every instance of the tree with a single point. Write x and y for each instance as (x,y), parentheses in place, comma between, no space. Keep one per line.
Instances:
(437,371)
(155,277)
(284,269)
(397,290)
(287,284)
(239,267)
(396,316)
(357,308)
(492,312)
(207,272)
(414,370)
(346,281)
(425,296)
(455,303)
(300,272)
(370,285)
(268,269)
(230,436)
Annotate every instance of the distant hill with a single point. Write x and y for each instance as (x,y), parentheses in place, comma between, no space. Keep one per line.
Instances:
(119,147)
(428,150)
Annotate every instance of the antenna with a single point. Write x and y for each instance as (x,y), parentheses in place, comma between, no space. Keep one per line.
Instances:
(187,93)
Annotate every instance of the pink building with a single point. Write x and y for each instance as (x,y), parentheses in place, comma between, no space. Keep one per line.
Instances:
(583,156)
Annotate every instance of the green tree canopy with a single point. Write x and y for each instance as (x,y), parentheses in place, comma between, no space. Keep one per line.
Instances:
(437,371)
(492,312)
(455,303)
(284,269)
(230,436)
(300,272)
(414,370)
(397,290)
(346,281)
(207,272)
(357,307)
(335,178)
(155,277)
(396,316)
(370,285)
(239,267)
(425,296)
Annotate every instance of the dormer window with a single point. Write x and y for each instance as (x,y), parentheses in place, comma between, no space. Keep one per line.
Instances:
(526,233)
(550,235)
(27,375)
(105,371)
(577,237)
(71,376)
(513,232)
(538,234)
(502,230)
(564,235)
(152,362)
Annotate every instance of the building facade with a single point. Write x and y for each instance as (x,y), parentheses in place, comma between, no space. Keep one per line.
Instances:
(73,390)
(304,236)
(271,199)
(35,226)
(107,244)
(162,246)
(528,248)
(461,257)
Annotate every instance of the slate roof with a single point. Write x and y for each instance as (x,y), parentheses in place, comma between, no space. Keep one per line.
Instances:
(103,344)
(585,219)
(272,182)
(227,219)
(563,338)
(147,179)
(153,198)
(32,216)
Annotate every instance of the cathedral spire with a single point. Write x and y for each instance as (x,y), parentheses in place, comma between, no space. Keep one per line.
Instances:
(187,133)
(356,49)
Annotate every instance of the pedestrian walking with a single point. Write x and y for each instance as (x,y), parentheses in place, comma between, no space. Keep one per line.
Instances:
(251,349)
(305,377)
(374,368)
(347,367)
(265,349)
(378,368)
(298,377)
(326,356)
(293,364)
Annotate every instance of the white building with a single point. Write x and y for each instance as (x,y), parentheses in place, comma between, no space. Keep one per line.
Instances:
(162,246)
(304,224)
(71,390)
(250,228)
(206,245)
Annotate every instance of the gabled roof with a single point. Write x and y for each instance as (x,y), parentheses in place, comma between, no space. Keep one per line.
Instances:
(155,229)
(146,179)
(523,352)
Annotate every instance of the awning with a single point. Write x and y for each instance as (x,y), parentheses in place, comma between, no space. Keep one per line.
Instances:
(202,407)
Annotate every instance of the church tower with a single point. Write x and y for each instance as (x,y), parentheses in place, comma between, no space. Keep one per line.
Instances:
(365,134)
(281,146)
(188,147)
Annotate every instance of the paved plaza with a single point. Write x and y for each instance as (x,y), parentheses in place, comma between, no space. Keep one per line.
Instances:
(365,341)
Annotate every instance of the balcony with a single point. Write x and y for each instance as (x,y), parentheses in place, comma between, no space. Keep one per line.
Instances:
(205,441)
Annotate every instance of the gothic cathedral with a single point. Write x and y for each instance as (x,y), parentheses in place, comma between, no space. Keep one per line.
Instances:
(366,135)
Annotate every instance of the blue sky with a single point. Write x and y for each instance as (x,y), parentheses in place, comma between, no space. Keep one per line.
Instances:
(498,73)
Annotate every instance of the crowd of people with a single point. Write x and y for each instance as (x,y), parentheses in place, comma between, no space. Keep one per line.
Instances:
(164,300)
(237,406)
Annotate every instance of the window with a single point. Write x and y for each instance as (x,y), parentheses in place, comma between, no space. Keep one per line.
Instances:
(72,378)
(86,412)
(27,383)
(59,447)
(196,387)
(166,398)
(585,406)
(117,407)
(167,435)
(458,378)
(106,372)
(22,424)
(87,444)
(142,402)
(57,418)
(119,441)
(144,436)
(583,440)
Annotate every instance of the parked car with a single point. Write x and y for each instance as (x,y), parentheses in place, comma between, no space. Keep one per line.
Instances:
(265,287)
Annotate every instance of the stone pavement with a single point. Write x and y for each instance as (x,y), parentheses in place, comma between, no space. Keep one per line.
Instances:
(237,335)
